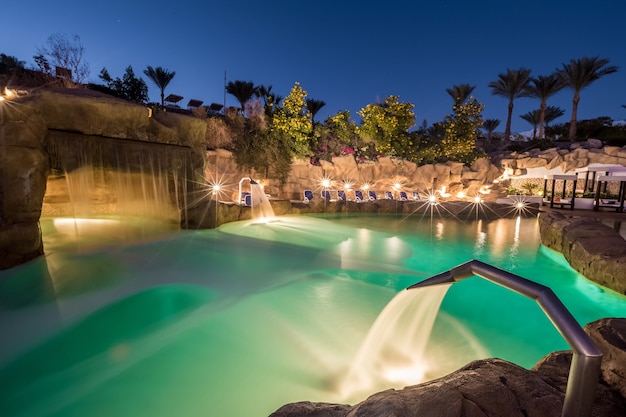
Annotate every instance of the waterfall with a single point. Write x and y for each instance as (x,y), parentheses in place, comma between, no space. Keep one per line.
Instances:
(393,350)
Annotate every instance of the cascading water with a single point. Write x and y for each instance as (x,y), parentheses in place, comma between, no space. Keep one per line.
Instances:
(105,176)
(394,348)
(262,210)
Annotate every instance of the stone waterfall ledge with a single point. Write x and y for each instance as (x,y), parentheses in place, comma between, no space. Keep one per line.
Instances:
(493,387)
(592,248)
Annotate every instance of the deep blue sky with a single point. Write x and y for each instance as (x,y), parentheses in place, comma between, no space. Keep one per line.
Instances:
(347,53)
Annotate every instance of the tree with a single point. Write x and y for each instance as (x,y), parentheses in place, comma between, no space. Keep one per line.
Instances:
(551,114)
(533,118)
(161,77)
(543,87)
(270,100)
(461,131)
(242,91)
(129,87)
(387,125)
(293,121)
(64,52)
(314,106)
(460,93)
(512,84)
(10,64)
(577,75)
(490,125)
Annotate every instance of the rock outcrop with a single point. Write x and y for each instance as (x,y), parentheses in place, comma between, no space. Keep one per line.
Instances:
(493,387)
(592,248)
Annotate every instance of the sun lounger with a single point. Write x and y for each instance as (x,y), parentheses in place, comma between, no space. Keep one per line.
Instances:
(358,196)
(341,195)
(326,195)
(308,196)
(403,196)
(372,195)
(388,195)
(416,196)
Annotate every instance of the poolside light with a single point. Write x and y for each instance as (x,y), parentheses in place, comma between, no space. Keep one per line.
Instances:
(432,199)
(365,186)
(347,185)
(325,182)
(460,194)
(478,199)
(397,186)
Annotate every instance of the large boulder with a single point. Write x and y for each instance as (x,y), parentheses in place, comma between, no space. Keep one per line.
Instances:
(24,167)
(610,336)
(591,247)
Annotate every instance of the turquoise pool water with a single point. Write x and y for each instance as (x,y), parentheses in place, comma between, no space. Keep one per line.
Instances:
(128,318)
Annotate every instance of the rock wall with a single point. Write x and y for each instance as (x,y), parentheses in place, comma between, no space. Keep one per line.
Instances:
(592,248)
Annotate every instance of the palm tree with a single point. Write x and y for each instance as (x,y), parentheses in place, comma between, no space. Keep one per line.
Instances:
(460,93)
(242,91)
(161,77)
(533,117)
(270,100)
(577,75)
(314,106)
(512,84)
(490,125)
(552,113)
(542,88)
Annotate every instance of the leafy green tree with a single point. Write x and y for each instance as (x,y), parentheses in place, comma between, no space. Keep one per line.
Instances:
(293,120)
(461,131)
(129,87)
(243,91)
(387,125)
(512,84)
(65,52)
(10,64)
(544,87)
(314,107)
(161,78)
(579,74)
(460,93)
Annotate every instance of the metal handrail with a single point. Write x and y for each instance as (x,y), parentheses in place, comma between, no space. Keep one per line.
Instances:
(587,357)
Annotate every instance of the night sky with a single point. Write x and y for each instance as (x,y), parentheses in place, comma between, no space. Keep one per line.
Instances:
(346,53)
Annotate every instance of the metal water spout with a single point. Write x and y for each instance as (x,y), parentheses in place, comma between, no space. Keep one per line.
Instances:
(587,357)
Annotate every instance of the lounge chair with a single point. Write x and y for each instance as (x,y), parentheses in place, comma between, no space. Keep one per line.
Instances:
(416,196)
(308,196)
(358,196)
(341,195)
(326,195)
(388,195)
(372,195)
(403,196)
(247,199)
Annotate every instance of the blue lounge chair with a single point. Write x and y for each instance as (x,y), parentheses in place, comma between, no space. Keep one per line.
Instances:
(388,195)
(358,196)
(326,195)
(341,195)
(308,196)
(416,196)
(372,195)
(248,200)
(403,196)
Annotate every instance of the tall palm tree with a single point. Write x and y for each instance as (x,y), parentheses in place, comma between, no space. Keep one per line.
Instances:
(533,117)
(577,75)
(242,91)
(512,84)
(543,87)
(314,106)
(490,125)
(460,93)
(161,77)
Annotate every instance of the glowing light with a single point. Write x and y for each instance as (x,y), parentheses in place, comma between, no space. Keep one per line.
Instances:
(325,182)
(397,186)
(347,185)
(365,186)
(519,205)
(432,199)
(460,194)
(478,199)
(409,375)
(443,192)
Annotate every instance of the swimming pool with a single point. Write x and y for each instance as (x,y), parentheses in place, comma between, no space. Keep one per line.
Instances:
(130,318)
